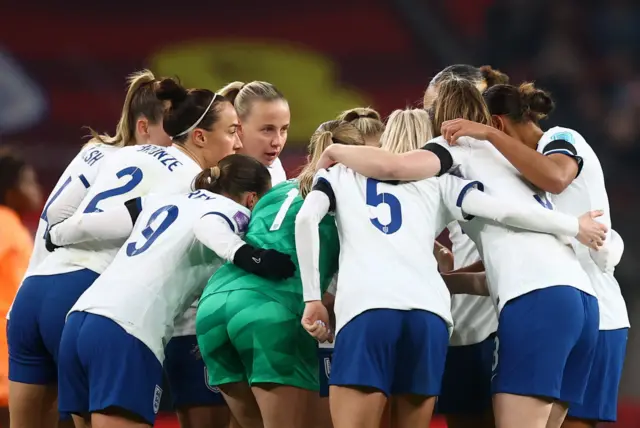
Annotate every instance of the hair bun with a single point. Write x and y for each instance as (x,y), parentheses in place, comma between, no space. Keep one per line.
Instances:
(215,173)
(171,90)
(493,77)
(539,102)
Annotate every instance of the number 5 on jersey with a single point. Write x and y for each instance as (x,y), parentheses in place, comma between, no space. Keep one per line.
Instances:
(375,199)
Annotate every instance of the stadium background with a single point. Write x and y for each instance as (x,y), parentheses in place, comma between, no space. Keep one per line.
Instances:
(62,66)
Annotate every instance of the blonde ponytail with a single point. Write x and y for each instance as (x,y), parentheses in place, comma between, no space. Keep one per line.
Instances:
(332,132)
(139,101)
(231,91)
(366,120)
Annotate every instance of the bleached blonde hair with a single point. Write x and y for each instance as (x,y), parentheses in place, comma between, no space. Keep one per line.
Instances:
(406,130)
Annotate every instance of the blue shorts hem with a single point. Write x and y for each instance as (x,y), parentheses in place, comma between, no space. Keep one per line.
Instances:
(187,375)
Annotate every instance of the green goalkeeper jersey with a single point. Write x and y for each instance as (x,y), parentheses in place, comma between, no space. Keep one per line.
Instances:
(272,226)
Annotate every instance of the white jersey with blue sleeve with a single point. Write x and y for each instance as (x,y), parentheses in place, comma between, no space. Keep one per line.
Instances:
(383,228)
(128,173)
(474,317)
(165,264)
(516,261)
(67,194)
(586,193)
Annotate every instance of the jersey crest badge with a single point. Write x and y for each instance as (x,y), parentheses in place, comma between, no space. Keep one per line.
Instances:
(157,396)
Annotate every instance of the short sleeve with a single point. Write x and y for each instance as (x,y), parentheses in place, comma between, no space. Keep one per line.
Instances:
(235,215)
(322,182)
(453,191)
(562,142)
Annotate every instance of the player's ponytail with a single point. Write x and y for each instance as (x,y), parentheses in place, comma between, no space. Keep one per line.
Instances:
(231,91)
(520,104)
(332,132)
(188,109)
(367,121)
(233,176)
(243,95)
(459,99)
(406,130)
(140,101)
(538,102)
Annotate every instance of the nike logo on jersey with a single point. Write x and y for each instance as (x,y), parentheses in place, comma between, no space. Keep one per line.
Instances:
(256,259)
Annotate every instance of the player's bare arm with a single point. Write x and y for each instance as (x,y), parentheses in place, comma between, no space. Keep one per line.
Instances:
(474,267)
(382,165)
(551,173)
(473,283)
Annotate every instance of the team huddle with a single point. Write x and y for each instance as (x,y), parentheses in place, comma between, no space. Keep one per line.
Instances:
(178,248)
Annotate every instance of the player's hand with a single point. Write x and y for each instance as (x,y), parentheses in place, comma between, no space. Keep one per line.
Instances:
(273,264)
(315,320)
(610,254)
(451,130)
(591,233)
(444,257)
(49,245)
(326,160)
(269,264)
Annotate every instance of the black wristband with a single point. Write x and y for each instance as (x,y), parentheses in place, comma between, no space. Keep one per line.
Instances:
(49,245)
(247,257)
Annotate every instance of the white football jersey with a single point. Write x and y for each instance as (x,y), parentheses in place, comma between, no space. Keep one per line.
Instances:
(162,267)
(516,261)
(474,317)
(84,169)
(278,174)
(383,229)
(586,193)
(129,173)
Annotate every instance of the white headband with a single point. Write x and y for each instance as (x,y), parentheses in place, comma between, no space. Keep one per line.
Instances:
(192,127)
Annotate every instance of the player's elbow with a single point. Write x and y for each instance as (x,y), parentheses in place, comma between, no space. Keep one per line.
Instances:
(557,184)
(393,170)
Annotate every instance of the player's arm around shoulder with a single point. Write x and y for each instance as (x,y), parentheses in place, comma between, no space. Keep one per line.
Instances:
(220,230)
(114,223)
(383,165)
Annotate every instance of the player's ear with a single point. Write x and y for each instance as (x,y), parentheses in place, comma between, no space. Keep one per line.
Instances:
(250,200)
(142,128)
(199,138)
(497,122)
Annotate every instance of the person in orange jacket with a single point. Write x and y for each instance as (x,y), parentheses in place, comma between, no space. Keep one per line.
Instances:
(20,194)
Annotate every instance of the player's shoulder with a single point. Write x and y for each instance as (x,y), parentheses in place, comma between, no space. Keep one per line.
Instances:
(283,189)
(334,172)
(561,133)
(461,142)
(277,194)
(236,214)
